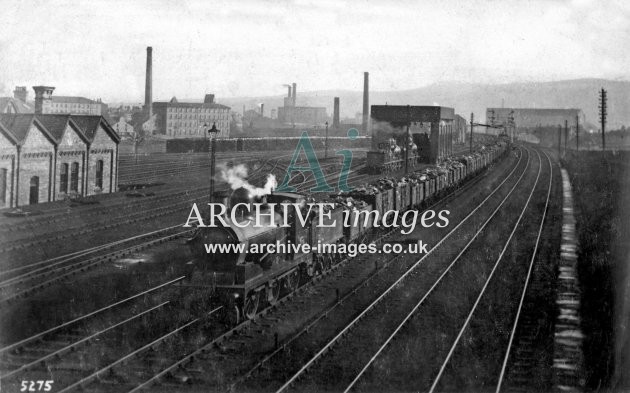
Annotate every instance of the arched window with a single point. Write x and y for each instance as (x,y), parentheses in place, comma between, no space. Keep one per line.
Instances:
(33,195)
(74,177)
(63,178)
(99,173)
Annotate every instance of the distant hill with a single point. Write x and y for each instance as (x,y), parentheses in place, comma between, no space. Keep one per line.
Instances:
(473,97)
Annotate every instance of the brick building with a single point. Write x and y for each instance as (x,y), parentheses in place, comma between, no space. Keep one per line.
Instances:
(176,119)
(431,128)
(46,157)
(292,114)
(123,128)
(17,103)
(46,103)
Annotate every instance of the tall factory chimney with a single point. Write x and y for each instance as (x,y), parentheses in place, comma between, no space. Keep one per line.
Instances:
(366,101)
(294,94)
(336,113)
(148,86)
(262,110)
(289,95)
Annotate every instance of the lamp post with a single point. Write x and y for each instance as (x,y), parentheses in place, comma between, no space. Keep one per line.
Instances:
(406,140)
(326,143)
(213,149)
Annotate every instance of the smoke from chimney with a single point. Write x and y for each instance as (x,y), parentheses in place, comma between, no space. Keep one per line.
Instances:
(366,101)
(236,177)
(148,86)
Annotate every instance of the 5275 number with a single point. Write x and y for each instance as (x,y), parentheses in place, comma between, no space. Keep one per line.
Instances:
(36,386)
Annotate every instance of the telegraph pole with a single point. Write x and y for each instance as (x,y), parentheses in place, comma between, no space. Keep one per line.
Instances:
(566,135)
(472,119)
(511,126)
(602,116)
(559,140)
(577,133)
(326,143)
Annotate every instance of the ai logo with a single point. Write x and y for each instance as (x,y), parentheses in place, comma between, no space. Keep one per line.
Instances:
(313,166)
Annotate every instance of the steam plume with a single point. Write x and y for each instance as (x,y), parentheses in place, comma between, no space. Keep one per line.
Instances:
(236,177)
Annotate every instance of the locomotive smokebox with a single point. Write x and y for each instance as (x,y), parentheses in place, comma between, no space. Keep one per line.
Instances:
(241,196)
(246,199)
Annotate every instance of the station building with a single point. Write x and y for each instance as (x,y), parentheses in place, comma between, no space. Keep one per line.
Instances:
(47,157)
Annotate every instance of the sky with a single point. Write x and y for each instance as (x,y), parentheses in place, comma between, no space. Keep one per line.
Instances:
(97,48)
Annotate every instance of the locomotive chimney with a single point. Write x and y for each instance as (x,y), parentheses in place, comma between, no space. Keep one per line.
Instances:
(366,101)
(148,85)
(336,113)
(294,94)
(221,197)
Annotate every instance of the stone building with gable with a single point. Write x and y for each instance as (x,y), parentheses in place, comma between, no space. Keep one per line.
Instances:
(45,157)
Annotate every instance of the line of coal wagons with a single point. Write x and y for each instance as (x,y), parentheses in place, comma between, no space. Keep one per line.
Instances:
(416,190)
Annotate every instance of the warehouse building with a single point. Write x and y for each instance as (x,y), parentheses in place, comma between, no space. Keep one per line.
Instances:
(292,114)
(46,103)
(45,157)
(176,119)
(528,119)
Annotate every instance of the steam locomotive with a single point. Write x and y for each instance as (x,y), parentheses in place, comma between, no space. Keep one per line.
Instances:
(242,281)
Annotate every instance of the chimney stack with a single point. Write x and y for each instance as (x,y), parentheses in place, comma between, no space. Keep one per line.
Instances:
(262,110)
(289,95)
(208,99)
(336,113)
(148,86)
(43,98)
(366,101)
(294,94)
(20,93)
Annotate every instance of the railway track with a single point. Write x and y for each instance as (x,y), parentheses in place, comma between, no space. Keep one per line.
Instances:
(127,210)
(349,343)
(451,357)
(187,368)
(379,314)
(101,376)
(60,214)
(22,281)
(18,357)
(519,353)
(45,275)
